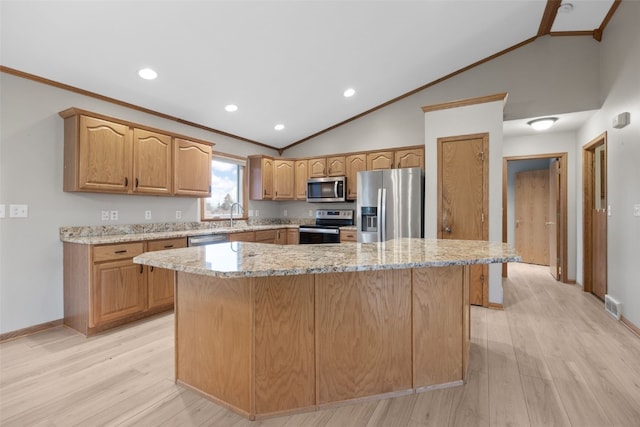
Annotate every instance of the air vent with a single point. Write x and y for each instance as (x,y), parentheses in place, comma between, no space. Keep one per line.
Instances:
(613,307)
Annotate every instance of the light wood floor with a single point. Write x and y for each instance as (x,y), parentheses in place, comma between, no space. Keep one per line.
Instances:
(552,357)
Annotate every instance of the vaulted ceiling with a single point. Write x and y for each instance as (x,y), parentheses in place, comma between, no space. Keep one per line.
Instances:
(280,62)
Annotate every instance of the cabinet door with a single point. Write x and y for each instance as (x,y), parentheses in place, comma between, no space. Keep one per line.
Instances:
(118,290)
(266,236)
(152,168)
(380,160)
(281,236)
(348,236)
(354,164)
(335,166)
(293,236)
(160,281)
(300,179)
(410,158)
(260,178)
(104,161)
(318,168)
(283,180)
(192,168)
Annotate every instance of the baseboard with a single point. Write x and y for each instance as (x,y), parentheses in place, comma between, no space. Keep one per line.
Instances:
(30,330)
(626,322)
(495,306)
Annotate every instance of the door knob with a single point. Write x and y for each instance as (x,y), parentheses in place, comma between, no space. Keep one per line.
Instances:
(447,229)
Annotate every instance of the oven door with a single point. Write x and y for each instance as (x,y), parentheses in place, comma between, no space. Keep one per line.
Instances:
(311,235)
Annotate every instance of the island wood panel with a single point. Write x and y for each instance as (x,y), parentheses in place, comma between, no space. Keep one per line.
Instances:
(363,334)
(214,349)
(76,272)
(284,343)
(438,318)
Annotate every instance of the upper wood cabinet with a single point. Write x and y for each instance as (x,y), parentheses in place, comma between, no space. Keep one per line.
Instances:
(354,164)
(106,155)
(192,171)
(301,174)
(409,158)
(318,167)
(380,160)
(152,162)
(336,166)
(97,155)
(283,179)
(261,178)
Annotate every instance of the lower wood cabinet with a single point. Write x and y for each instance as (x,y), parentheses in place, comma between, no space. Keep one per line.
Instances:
(348,236)
(293,236)
(103,288)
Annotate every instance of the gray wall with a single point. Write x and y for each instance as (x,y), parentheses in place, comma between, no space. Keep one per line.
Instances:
(619,69)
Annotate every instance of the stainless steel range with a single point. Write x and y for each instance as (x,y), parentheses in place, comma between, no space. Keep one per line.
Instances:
(327,227)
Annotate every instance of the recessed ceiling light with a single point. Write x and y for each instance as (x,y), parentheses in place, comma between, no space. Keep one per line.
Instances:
(543,123)
(147,74)
(231,108)
(349,92)
(279,126)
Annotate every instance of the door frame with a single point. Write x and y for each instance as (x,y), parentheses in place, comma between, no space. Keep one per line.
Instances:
(588,153)
(562,227)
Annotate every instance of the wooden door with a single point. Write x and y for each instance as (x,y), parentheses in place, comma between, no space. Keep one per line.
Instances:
(410,158)
(463,199)
(531,216)
(118,291)
(553,219)
(301,174)
(192,168)
(152,165)
(318,168)
(104,156)
(335,166)
(354,164)
(599,224)
(283,179)
(380,160)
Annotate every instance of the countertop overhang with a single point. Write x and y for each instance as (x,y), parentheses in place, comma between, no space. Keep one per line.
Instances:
(242,259)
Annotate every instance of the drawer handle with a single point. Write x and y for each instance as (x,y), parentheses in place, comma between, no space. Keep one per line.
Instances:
(168,246)
(122,251)
(126,181)
(136,182)
(152,269)
(141,268)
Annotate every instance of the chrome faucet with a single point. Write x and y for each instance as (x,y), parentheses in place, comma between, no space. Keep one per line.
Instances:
(231,212)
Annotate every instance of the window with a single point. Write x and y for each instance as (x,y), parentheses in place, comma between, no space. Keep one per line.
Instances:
(227,188)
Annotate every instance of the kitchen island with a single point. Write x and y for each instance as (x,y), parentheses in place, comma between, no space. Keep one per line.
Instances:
(271,329)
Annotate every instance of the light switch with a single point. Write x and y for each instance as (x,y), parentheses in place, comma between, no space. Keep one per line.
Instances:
(636,210)
(2,211)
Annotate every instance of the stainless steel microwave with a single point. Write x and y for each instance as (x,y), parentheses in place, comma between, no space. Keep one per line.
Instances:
(330,189)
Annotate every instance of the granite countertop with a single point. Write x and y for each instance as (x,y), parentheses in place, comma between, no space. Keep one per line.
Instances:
(100,235)
(240,259)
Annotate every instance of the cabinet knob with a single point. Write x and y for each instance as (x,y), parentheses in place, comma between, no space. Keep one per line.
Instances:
(126,181)
(136,182)
(141,268)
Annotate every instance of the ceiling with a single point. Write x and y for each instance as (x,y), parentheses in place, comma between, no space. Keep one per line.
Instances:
(285,62)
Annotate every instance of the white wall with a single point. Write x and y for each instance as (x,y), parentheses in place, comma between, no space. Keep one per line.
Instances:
(479,118)
(620,88)
(31,161)
(558,142)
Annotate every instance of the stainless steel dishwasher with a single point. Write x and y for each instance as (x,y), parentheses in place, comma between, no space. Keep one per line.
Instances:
(207,239)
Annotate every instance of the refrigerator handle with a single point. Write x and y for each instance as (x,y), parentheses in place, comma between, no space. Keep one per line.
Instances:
(382,214)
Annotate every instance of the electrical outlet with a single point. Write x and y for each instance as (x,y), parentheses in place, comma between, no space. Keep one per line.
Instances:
(178,214)
(104,215)
(310,212)
(147,214)
(114,215)
(251,213)
(18,211)
(2,214)
(636,210)
(285,212)
(257,212)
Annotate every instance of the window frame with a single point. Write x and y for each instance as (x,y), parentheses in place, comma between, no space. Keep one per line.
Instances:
(240,161)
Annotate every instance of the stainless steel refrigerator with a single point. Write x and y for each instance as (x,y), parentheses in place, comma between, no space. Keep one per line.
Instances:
(390,204)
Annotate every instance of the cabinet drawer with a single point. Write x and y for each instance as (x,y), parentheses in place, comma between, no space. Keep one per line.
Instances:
(348,236)
(244,236)
(114,252)
(161,245)
(266,236)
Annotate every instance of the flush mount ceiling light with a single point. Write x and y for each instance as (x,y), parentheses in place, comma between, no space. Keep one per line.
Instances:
(279,126)
(349,92)
(231,108)
(147,74)
(543,123)
(565,8)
